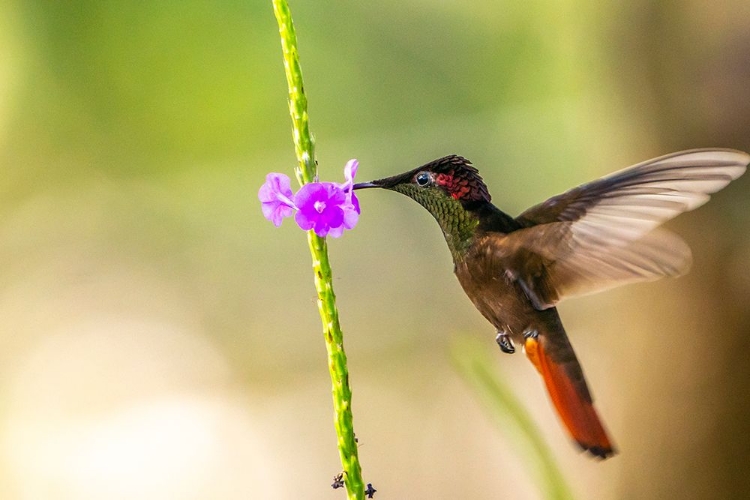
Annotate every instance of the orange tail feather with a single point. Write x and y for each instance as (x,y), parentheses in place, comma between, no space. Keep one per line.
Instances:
(575,409)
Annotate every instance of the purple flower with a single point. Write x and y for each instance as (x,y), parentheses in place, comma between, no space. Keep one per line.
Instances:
(325,207)
(320,207)
(276,198)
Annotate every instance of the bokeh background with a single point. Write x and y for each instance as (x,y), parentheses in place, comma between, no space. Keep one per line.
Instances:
(159,339)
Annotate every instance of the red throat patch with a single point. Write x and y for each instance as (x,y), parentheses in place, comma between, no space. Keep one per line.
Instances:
(462,187)
(455,187)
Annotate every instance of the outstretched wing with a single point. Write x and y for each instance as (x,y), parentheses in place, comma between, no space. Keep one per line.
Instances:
(601,234)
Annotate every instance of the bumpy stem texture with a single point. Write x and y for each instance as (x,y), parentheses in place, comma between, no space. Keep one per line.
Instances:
(307,172)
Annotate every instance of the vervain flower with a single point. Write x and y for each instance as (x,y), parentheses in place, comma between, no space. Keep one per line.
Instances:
(319,206)
(325,207)
(276,198)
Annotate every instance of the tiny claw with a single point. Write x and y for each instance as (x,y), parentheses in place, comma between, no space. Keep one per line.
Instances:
(531,334)
(505,343)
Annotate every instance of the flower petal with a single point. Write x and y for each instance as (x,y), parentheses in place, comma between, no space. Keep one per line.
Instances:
(321,229)
(336,195)
(333,215)
(350,170)
(351,217)
(336,232)
(276,188)
(309,194)
(304,221)
(276,198)
(275,212)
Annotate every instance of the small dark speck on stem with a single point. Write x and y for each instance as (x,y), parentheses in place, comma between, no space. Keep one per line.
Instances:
(338,481)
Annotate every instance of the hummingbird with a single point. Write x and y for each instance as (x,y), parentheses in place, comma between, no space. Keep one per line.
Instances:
(596,236)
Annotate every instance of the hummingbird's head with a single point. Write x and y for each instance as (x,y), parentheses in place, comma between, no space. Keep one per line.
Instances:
(451,189)
(449,180)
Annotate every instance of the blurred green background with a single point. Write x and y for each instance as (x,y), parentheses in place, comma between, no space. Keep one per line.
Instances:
(159,338)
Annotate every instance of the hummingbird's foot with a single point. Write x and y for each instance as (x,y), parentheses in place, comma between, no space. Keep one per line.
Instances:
(505,343)
(531,334)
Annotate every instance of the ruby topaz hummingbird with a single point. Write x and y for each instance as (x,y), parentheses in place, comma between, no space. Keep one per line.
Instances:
(596,236)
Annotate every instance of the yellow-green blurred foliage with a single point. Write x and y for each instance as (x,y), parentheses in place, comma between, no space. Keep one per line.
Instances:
(159,338)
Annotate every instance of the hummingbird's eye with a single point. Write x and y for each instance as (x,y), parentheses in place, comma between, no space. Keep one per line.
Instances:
(423,178)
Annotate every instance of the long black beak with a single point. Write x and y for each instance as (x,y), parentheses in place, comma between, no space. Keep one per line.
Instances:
(388,182)
(365,185)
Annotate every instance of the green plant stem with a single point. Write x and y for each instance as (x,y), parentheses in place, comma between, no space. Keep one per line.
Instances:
(307,172)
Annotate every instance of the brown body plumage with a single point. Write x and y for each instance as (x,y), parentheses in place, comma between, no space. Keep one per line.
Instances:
(593,237)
